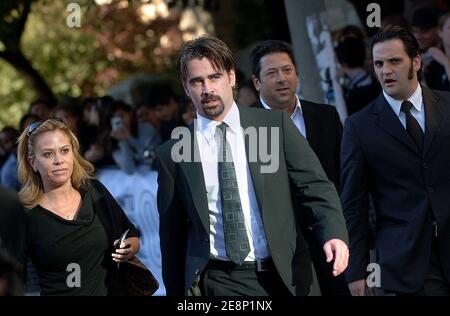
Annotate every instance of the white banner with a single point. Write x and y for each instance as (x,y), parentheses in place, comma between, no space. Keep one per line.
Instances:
(319,35)
(136,194)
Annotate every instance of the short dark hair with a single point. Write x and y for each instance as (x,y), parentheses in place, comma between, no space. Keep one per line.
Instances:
(351,51)
(158,93)
(403,34)
(391,32)
(266,48)
(209,47)
(27,117)
(40,101)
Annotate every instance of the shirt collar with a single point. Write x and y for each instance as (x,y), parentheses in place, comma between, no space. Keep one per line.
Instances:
(207,127)
(415,99)
(298,106)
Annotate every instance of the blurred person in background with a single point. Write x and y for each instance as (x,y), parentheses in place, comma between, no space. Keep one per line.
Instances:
(246,93)
(133,142)
(162,99)
(188,113)
(424,26)
(40,108)
(73,119)
(8,172)
(437,72)
(97,113)
(360,87)
(145,114)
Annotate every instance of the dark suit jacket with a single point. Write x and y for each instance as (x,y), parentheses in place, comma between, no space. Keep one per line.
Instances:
(324,135)
(12,222)
(184,215)
(379,157)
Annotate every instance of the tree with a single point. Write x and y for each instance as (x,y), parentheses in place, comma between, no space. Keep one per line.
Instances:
(13,16)
(114,41)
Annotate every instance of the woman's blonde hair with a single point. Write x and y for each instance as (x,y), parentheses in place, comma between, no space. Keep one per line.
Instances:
(32,187)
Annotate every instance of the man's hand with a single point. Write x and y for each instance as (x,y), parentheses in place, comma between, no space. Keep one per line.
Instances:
(359,288)
(336,249)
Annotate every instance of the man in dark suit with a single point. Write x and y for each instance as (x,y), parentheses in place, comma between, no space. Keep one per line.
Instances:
(275,77)
(11,221)
(11,228)
(397,149)
(227,225)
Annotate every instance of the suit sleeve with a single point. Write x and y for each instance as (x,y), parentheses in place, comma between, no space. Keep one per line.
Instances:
(172,227)
(315,192)
(355,202)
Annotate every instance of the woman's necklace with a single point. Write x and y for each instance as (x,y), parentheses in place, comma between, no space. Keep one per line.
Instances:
(67,216)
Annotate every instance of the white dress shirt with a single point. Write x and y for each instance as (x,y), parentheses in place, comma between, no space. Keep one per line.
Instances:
(297,116)
(418,110)
(205,130)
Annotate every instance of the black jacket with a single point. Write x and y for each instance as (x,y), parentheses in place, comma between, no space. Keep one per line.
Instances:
(408,189)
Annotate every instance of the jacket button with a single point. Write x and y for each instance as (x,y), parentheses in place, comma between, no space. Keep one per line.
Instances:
(430,190)
(425,166)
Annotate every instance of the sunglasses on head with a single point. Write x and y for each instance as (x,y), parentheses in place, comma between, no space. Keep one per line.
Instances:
(33,126)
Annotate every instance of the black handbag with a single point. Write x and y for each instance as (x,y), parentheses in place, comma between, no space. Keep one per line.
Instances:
(136,279)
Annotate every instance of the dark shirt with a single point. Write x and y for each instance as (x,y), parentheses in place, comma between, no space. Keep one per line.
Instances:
(54,243)
(360,91)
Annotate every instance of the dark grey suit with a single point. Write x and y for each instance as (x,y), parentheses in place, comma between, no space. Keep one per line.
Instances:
(184,215)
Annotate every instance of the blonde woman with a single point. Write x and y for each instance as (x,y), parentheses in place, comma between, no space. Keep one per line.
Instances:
(73,222)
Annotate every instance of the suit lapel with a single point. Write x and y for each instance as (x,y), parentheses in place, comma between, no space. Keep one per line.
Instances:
(433,117)
(312,129)
(258,178)
(193,172)
(389,121)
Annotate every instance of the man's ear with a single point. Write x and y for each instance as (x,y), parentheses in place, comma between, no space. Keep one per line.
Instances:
(232,77)
(256,83)
(417,63)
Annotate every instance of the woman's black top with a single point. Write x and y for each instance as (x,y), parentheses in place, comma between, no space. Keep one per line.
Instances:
(74,257)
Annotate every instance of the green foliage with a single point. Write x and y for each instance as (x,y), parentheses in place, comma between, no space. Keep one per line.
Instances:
(14,95)
(66,57)
(111,44)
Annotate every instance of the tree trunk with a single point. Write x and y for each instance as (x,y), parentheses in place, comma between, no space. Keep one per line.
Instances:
(34,79)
